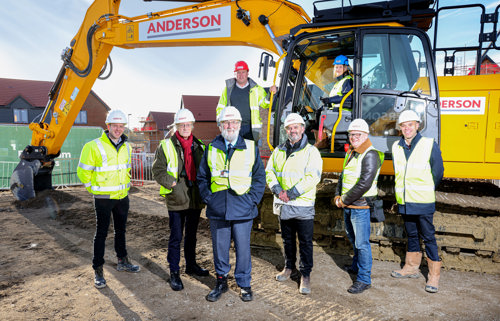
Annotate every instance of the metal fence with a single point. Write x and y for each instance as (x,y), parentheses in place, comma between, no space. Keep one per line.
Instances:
(64,172)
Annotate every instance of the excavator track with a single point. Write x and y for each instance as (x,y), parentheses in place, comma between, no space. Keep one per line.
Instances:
(467,221)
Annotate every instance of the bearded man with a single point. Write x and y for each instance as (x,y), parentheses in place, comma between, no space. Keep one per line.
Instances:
(231,179)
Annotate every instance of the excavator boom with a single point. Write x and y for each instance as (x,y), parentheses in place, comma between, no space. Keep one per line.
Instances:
(257,23)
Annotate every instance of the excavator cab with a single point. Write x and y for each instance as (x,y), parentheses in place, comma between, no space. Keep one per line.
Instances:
(392,71)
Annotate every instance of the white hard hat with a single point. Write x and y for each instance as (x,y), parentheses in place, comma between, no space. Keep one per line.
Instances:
(183,116)
(408,115)
(229,113)
(293,118)
(116,117)
(359,125)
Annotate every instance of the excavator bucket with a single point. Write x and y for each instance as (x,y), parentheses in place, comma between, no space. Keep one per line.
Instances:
(22,181)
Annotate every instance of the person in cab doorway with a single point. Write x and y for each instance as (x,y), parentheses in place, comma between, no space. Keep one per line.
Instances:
(292,173)
(342,74)
(356,189)
(232,181)
(175,166)
(247,96)
(418,167)
(104,169)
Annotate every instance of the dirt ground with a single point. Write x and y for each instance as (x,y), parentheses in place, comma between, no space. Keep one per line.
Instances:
(46,274)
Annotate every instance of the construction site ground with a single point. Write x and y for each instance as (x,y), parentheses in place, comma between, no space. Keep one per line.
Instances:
(46,274)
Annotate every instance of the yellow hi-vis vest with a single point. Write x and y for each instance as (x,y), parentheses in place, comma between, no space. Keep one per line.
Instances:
(301,169)
(103,170)
(235,174)
(337,89)
(172,163)
(257,98)
(352,172)
(414,181)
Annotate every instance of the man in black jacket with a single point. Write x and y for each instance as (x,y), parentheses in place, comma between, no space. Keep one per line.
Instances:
(356,189)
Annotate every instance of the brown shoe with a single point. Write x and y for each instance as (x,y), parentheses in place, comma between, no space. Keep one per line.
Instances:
(305,285)
(284,275)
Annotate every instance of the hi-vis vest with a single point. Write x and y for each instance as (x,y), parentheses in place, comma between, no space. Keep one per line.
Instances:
(104,171)
(301,169)
(414,181)
(172,163)
(257,98)
(352,172)
(337,88)
(236,173)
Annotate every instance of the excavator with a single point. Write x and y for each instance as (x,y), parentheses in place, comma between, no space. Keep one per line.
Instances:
(394,68)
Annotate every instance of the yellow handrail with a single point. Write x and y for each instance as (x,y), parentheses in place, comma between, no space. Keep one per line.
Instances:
(334,129)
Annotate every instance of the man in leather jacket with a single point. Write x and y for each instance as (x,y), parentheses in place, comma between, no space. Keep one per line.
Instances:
(356,189)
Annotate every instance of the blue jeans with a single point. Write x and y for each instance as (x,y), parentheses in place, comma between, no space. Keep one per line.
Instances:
(357,225)
(303,229)
(104,208)
(177,221)
(421,225)
(222,233)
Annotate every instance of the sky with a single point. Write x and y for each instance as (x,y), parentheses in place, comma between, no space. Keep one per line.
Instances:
(34,33)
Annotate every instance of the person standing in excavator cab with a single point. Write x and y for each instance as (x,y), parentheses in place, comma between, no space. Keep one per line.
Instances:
(247,96)
(344,83)
(104,169)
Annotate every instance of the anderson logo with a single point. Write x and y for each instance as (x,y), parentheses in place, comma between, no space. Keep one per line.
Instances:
(463,105)
(213,23)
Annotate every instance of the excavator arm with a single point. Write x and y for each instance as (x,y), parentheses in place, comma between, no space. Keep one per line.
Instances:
(257,23)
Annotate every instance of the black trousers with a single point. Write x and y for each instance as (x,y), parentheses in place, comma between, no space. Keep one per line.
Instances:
(104,208)
(303,229)
(177,221)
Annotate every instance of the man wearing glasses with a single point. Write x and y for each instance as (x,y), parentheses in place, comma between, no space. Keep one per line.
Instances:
(357,188)
(231,179)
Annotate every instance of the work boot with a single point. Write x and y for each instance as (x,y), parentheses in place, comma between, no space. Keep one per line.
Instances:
(125,265)
(99,281)
(358,287)
(246,294)
(305,285)
(220,287)
(196,270)
(410,269)
(175,281)
(433,276)
(284,275)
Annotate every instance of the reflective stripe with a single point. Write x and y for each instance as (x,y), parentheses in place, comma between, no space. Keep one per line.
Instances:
(87,184)
(86,167)
(110,188)
(104,157)
(171,156)
(112,168)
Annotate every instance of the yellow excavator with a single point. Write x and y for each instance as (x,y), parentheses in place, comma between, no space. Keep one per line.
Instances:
(393,64)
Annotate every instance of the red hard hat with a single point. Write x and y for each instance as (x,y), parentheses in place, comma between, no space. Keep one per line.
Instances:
(240,65)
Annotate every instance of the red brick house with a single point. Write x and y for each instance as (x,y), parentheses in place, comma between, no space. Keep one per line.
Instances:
(488,67)
(21,101)
(203,109)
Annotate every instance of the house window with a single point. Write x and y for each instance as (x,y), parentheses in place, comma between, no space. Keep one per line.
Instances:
(81,118)
(21,116)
